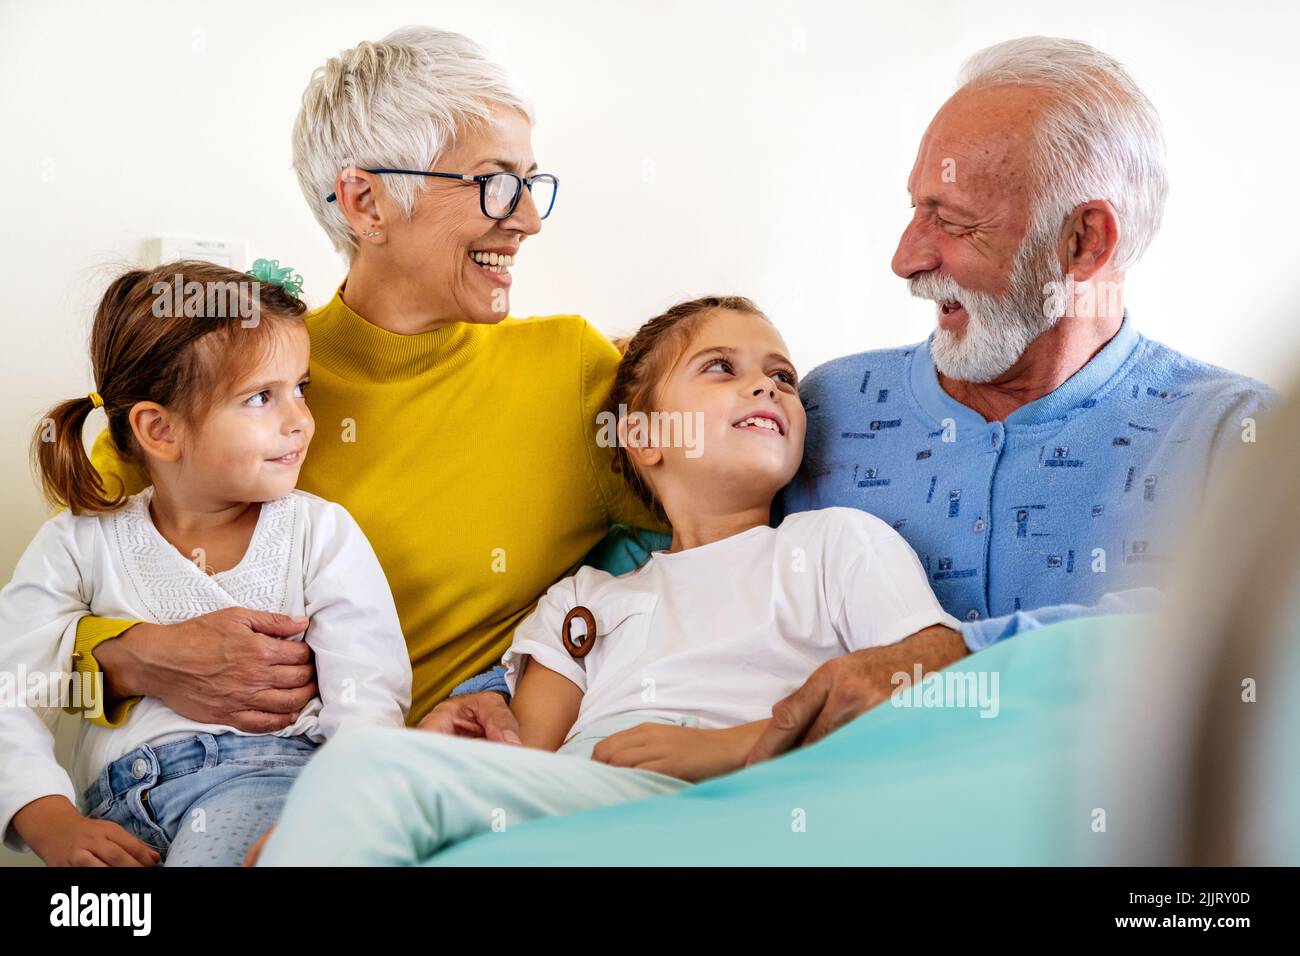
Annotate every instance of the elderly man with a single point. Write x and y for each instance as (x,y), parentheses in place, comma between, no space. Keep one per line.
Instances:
(1033,449)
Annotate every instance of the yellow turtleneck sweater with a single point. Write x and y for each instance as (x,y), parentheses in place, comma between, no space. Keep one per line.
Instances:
(468,456)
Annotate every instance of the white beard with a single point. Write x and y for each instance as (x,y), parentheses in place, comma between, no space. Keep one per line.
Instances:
(998,328)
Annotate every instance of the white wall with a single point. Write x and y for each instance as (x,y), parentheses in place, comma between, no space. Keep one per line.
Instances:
(696,143)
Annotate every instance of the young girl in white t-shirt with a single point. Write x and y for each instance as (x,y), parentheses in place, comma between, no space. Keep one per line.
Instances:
(201,372)
(631,686)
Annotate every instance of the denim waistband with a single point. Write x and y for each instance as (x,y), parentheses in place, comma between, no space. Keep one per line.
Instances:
(148,765)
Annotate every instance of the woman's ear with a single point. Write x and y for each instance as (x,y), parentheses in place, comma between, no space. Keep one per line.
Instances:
(355,193)
(156,431)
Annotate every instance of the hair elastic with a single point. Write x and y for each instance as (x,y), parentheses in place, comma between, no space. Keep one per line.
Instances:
(269,270)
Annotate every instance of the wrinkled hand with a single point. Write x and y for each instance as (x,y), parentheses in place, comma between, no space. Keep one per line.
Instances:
(848,686)
(484,714)
(687,753)
(228,667)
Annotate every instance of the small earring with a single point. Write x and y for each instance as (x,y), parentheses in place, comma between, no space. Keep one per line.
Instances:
(372,233)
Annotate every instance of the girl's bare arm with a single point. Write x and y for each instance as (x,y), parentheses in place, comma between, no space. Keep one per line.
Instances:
(546,706)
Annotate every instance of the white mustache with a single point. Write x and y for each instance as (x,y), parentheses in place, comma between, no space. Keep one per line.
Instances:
(938,288)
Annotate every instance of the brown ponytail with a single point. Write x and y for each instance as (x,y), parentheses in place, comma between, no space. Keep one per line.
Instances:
(647,357)
(179,356)
(67,476)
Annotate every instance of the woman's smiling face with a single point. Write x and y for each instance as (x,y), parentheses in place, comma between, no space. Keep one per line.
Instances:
(437,256)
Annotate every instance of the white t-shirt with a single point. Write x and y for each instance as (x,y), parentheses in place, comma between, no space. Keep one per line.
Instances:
(307,557)
(723,631)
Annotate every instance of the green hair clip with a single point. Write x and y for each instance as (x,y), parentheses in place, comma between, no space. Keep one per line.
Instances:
(268,270)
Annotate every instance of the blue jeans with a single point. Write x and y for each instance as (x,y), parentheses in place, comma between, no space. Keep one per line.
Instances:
(201,800)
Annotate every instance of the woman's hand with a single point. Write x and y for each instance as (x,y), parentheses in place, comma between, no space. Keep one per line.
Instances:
(227,667)
(61,836)
(485,714)
(687,753)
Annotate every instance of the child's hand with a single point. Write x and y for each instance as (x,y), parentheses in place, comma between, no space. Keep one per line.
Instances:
(61,836)
(687,753)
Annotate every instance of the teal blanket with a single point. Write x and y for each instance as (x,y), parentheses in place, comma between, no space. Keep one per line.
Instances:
(930,785)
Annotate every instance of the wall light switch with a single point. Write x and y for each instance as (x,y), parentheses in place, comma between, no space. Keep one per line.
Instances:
(233,254)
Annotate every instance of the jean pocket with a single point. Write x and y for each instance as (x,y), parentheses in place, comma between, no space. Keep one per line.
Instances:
(131,811)
(102,809)
(98,799)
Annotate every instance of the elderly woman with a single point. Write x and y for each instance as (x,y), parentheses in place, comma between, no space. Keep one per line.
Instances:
(462,441)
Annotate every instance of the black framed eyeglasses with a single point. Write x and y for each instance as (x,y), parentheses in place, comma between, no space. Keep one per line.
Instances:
(498,193)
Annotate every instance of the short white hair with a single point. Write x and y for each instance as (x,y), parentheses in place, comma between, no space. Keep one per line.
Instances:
(399,102)
(1099,136)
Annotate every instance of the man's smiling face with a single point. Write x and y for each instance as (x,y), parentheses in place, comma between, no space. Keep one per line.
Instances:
(966,246)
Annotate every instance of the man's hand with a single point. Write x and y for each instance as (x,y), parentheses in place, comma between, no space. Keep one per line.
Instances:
(485,714)
(228,667)
(841,689)
(61,836)
(687,753)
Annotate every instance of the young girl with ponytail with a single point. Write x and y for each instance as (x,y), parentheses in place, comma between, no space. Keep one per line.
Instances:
(201,372)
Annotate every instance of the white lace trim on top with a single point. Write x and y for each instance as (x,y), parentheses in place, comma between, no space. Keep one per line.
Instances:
(174,589)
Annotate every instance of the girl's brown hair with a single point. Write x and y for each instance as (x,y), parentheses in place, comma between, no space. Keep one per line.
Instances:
(647,357)
(157,337)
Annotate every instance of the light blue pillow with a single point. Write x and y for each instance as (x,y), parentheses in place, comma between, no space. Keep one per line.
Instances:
(913,786)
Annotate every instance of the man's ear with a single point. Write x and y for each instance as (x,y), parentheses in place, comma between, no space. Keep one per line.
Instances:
(355,193)
(1091,234)
(156,430)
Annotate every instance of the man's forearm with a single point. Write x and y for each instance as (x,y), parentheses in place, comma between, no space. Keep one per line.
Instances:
(930,649)
(936,646)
